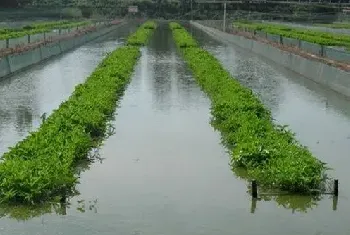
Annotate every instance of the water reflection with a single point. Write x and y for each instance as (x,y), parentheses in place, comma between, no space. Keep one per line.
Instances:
(24,119)
(26,213)
(161,57)
(295,203)
(171,84)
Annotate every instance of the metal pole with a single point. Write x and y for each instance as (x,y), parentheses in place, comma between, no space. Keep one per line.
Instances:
(224,26)
(191,11)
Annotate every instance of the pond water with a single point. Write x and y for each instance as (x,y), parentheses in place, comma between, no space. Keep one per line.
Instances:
(164,170)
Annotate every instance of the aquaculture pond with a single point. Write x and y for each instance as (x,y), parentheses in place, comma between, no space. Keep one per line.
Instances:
(165,171)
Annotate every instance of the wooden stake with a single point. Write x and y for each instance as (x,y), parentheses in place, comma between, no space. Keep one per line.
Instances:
(254,189)
(336,188)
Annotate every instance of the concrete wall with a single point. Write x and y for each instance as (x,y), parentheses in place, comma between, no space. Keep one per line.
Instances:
(37,37)
(313,48)
(292,42)
(317,49)
(4,67)
(273,37)
(261,34)
(332,77)
(67,45)
(24,59)
(50,50)
(13,42)
(333,53)
(16,62)
(51,34)
(64,31)
(2,44)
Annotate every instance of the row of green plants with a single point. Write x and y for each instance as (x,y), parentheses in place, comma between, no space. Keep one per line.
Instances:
(321,34)
(269,152)
(45,25)
(39,28)
(182,37)
(336,25)
(42,166)
(141,37)
(313,36)
(50,24)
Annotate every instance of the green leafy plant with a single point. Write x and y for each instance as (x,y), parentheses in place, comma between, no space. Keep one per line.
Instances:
(149,25)
(41,167)
(175,25)
(141,36)
(182,38)
(269,152)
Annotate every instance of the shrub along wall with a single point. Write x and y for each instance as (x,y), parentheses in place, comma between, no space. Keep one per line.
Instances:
(269,152)
(41,166)
(312,36)
(39,28)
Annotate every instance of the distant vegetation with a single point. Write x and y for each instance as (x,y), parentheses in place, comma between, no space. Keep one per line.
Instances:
(169,9)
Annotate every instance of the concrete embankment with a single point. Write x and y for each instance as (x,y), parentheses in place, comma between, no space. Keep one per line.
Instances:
(19,61)
(327,75)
